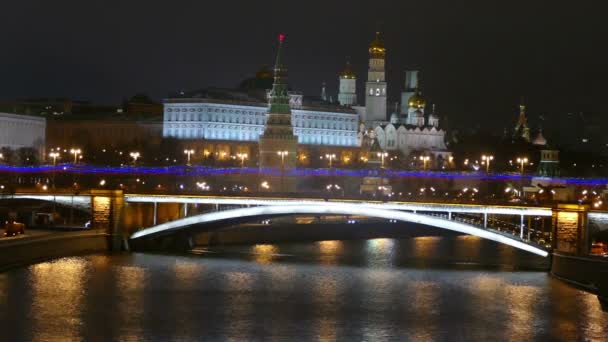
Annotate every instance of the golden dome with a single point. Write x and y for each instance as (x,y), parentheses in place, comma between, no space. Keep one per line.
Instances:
(377,46)
(348,72)
(416,101)
(264,73)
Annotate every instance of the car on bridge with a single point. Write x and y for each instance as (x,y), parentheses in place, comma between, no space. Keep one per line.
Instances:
(12,228)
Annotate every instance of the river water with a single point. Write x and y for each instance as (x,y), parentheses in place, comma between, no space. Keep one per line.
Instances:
(369,290)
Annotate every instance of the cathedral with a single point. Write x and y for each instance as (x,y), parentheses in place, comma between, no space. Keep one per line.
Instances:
(241,115)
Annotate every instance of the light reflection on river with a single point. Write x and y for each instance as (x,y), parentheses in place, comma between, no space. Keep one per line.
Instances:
(320,291)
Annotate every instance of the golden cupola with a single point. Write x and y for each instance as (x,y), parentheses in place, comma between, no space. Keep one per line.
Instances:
(347,72)
(416,100)
(376,48)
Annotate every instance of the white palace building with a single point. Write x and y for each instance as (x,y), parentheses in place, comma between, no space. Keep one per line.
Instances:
(240,114)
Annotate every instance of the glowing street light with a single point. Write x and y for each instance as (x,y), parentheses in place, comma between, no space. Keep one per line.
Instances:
(75,152)
(283,154)
(522,162)
(331,157)
(425,160)
(188,153)
(54,155)
(487,160)
(135,156)
(382,155)
(242,156)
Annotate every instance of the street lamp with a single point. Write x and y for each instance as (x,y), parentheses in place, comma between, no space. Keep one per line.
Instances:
(487,160)
(188,153)
(53,155)
(522,162)
(283,154)
(242,156)
(135,156)
(330,157)
(75,152)
(425,160)
(382,155)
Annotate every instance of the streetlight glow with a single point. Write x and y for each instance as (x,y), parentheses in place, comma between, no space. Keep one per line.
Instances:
(522,162)
(331,157)
(242,156)
(135,156)
(487,160)
(75,152)
(382,155)
(188,152)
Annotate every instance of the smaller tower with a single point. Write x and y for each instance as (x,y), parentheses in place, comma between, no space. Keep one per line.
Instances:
(415,112)
(433,118)
(347,94)
(521,128)
(323,92)
(411,83)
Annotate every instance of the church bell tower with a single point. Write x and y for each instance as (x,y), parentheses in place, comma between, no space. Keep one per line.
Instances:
(375,87)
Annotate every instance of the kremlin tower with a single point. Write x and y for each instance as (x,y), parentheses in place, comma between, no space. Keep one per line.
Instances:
(278,144)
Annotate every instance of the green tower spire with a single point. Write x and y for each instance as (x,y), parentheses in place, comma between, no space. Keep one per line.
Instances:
(279,98)
(279,113)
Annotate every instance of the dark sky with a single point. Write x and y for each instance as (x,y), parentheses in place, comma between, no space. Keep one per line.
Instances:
(476,57)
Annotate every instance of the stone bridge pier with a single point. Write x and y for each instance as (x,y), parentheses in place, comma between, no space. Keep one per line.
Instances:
(107,208)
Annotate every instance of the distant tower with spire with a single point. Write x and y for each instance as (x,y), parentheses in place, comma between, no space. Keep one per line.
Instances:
(347,95)
(323,92)
(521,128)
(411,84)
(375,87)
(278,144)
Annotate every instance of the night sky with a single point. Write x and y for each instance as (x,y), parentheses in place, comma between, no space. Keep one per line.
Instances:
(477,58)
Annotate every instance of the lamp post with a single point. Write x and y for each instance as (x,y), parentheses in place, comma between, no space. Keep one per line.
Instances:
(382,155)
(135,156)
(75,152)
(188,152)
(242,156)
(331,157)
(487,160)
(522,162)
(283,154)
(425,160)
(54,155)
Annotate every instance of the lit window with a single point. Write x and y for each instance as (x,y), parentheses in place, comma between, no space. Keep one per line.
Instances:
(377,91)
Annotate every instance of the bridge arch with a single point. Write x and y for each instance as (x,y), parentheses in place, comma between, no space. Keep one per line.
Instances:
(335,209)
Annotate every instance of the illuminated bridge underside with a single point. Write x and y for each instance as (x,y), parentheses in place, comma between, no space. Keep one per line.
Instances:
(77,201)
(334,209)
(410,206)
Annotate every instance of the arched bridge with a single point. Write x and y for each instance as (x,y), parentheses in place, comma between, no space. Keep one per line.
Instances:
(332,208)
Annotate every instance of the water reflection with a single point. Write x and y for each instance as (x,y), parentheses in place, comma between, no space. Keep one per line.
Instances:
(380,252)
(522,303)
(426,247)
(131,286)
(238,309)
(329,251)
(326,293)
(149,297)
(265,254)
(468,248)
(57,299)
